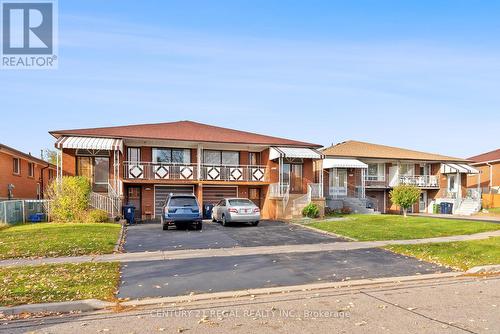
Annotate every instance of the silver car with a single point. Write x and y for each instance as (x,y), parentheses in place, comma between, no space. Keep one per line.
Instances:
(230,210)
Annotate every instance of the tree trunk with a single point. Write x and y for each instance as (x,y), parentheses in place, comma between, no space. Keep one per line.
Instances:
(404,212)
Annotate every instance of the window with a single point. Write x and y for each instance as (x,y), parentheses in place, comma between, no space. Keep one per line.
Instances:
(182,201)
(240,202)
(254,158)
(96,169)
(452,183)
(406,169)
(172,155)
(84,167)
(211,157)
(376,172)
(51,174)
(133,154)
(425,169)
(31,169)
(16,167)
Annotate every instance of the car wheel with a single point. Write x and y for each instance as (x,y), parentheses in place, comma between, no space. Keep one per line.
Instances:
(199,226)
(165,227)
(213,219)
(255,223)
(224,221)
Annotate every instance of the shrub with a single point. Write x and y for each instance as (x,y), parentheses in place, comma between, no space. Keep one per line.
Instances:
(311,210)
(97,216)
(70,198)
(405,196)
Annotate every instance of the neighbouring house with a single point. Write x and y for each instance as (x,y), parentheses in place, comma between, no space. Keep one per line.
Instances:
(142,164)
(22,176)
(489,165)
(360,176)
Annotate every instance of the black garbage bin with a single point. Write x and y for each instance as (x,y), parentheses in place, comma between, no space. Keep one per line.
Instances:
(129,213)
(207,210)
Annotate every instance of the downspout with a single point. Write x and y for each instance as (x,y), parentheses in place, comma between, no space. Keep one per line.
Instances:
(42,180)
(491,175)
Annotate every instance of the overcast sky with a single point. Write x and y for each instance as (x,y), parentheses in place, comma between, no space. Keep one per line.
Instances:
(416,74)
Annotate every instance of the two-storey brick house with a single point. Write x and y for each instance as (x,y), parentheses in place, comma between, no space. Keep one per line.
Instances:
(23,176)
(359,174)
(143,163)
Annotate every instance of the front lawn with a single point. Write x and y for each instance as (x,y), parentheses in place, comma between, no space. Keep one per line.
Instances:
(58,282)
(461,255)
(57,239)
(393,227)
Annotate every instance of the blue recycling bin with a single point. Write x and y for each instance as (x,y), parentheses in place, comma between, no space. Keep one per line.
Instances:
(207,210)
(446,208)
(129,213)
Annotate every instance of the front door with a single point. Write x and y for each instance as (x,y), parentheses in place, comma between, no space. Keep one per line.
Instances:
(338,182)
(254,196)
(422,203)
(134,198)
(292,176)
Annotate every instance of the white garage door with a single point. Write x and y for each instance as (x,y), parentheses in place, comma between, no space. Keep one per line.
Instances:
(161,193)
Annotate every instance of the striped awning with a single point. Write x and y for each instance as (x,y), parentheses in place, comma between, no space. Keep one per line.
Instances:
(343,163)
(458,168)
(294,152)
(90,143)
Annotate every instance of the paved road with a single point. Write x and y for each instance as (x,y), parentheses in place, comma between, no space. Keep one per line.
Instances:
(180,277)
(463,305)
(150,236)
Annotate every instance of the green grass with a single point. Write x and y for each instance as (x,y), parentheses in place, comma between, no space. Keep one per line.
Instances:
(58,282)
(57,239)
(461,255)
(393,227)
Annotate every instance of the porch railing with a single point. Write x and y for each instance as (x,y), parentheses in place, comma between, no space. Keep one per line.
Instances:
(420,180)
(207,172)
(112,205)
(315,189)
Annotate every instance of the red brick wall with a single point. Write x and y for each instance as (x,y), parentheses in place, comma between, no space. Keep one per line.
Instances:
(25,187)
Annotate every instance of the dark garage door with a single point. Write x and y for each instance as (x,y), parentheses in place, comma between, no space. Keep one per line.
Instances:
(211,195)
(161,193)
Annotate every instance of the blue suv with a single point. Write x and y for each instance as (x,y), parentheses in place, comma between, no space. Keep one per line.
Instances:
(181,210)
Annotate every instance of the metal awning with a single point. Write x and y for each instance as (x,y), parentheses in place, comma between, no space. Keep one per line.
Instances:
(458,168)
(343,163)
(90,143)
(294,152)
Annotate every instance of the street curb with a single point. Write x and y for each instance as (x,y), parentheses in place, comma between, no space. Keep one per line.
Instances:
(61,307)
(286,289)
(121,237)
(495,268)
(95,304)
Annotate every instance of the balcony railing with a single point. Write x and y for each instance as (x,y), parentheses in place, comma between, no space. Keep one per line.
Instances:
(426,181)
(186,172)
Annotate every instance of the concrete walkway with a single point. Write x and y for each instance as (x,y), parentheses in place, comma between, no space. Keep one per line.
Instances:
(241,251)
(486,219)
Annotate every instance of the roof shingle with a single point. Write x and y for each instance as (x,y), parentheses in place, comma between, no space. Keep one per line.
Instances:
(184,131)
(358,149)
(488,156)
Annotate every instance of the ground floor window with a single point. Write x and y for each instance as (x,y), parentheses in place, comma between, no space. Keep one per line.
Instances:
(96,169)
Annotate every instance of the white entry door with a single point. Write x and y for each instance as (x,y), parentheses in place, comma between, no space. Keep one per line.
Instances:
(422,203)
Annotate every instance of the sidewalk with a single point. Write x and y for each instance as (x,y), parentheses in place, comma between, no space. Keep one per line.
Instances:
(240,251)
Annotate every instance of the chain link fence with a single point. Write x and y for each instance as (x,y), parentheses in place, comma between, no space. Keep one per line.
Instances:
(22,211)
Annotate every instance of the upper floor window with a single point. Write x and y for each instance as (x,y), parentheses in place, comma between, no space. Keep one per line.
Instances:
(31,169)
(172,155)
(376,172)
(254,158)
(425,169)
(16,166)
(407,169)
(212,157)
(134,154)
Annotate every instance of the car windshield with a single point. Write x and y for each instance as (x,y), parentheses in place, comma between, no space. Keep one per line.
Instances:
(183,201)
(240,202)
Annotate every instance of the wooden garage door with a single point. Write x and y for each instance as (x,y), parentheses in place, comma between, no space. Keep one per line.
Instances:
(211,195)
(161,193)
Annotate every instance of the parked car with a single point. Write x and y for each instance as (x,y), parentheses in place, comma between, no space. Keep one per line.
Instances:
(230,210)
(181,210)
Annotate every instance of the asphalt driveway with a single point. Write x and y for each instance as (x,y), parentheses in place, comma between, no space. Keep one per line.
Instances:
(151,237)
(180,277)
